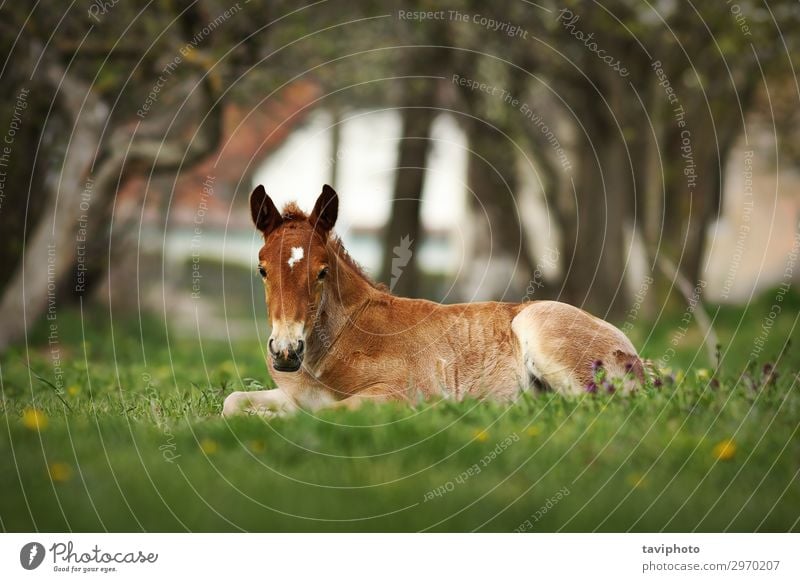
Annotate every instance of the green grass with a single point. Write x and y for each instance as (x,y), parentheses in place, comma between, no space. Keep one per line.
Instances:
(132,446)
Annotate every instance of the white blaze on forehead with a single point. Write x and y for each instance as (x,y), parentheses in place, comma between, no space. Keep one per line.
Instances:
(297,256)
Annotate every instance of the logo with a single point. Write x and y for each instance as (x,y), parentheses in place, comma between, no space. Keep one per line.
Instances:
(402,254)
(31,555)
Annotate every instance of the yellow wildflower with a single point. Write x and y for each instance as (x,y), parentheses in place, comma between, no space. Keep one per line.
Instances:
(636,480)
(257,446)
(702,375)
(60,472)
(34,419)
(208,446)
(481,436)
(534,431)
(74,390)
(725,450)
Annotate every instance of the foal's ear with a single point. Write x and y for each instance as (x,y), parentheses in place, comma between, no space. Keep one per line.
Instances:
(262,209)
(323,217)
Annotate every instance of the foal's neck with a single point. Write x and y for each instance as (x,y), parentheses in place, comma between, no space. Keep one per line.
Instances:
(347,295)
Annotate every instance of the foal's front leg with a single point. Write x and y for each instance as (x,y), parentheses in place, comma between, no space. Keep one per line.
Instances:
(262,402)
(377,393)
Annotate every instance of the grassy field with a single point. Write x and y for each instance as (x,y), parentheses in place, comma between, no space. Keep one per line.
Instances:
(129,438)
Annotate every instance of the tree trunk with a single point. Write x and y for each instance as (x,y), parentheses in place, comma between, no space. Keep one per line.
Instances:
(699,204)
(25,111)
(594,269)
(500,263)
(703,201)
(160,144)
(48,248)
(71,241)
(653,187)
(554,170)
(153,152)
(403,235)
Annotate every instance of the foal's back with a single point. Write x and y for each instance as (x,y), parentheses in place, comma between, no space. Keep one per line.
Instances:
(493,349)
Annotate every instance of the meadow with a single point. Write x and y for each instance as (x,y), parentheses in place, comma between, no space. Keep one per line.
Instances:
(127,436)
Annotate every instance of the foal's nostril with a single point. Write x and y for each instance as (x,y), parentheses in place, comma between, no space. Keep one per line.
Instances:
(271,347)
(300,347)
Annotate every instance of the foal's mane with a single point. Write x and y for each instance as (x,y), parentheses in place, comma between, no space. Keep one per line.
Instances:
(344,256)
(292,213)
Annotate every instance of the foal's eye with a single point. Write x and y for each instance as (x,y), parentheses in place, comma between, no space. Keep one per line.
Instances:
(322,273)
(262,271)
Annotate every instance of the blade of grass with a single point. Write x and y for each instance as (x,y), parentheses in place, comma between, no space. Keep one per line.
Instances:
(47,382)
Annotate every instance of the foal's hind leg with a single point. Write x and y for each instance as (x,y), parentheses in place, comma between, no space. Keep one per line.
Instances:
(560,343)
(267,403)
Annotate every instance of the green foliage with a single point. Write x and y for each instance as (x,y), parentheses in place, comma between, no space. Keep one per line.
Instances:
(142,446)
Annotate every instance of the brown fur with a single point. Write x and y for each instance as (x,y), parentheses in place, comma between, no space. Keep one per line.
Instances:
(364,343)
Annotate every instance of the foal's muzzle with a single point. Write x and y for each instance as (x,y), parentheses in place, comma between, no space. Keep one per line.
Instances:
(289,358)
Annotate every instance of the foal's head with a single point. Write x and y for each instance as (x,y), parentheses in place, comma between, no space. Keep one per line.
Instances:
(294,263)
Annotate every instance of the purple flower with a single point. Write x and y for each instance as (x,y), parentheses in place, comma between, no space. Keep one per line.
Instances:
(597,366)
(609,387)
(658,383)
(591,387)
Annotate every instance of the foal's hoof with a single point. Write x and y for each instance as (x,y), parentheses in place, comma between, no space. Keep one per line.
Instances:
(243,403)
(234,404)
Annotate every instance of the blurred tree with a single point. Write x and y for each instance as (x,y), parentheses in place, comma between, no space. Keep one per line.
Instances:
(417,116)
(514,122)
(28,104)
(650,98)
(501,254)
(104,71)
(418,107)
(647,100)
(713,68)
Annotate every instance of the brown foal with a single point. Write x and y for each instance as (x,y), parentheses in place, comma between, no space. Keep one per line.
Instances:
(339,339)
